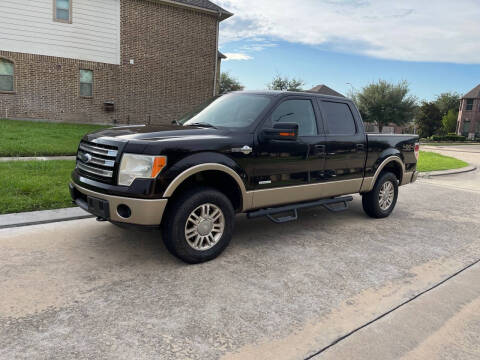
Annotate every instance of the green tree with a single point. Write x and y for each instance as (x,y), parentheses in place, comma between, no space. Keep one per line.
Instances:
(449,121)
(429,119)
(383,103)
(228,83)
(285,84)
(448,101)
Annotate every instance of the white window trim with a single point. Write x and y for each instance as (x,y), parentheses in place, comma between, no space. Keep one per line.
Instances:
(69,21)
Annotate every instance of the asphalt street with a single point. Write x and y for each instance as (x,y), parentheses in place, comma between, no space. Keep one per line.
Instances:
(88,290)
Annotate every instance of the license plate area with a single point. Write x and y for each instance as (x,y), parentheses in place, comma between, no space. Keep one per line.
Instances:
(98,207)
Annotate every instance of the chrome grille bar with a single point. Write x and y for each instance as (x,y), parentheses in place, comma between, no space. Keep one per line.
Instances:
(95,171)
(98,150)
(96,160)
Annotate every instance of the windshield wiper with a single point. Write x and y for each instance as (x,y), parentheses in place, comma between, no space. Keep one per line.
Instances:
(202,124)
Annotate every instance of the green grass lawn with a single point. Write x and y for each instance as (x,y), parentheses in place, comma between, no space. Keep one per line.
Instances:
(34,185)
(430,161)
(29,138)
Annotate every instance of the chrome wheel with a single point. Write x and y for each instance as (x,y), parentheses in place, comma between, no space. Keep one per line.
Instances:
(204,227)
(386,195)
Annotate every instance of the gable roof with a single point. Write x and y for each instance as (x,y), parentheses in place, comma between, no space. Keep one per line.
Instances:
(324,89)
(203,5)
(473,94)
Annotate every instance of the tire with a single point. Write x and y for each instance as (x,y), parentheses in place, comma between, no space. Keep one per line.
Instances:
(198,225)
(377,206)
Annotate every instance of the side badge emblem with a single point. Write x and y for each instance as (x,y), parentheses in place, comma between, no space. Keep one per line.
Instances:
(245,150)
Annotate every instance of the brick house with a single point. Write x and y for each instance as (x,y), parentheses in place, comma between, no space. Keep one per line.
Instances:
(107,61)
(468,123)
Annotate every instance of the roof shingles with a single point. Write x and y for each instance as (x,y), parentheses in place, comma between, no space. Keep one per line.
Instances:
(205,4)
(473,94)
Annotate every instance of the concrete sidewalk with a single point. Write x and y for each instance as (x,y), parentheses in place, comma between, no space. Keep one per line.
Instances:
(37,158)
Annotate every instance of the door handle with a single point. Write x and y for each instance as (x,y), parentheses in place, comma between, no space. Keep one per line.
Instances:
(321,148)
(360,147)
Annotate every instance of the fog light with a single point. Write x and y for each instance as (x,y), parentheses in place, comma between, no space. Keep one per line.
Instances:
(124,211)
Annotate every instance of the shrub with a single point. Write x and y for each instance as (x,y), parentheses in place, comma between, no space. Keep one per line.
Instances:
(449,137)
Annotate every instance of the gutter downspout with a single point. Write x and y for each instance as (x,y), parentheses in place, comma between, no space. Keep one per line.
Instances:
(216,55)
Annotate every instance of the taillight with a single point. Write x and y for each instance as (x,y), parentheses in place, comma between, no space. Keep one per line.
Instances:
(417,150)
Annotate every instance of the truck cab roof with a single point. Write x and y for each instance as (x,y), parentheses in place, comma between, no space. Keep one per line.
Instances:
(279,93)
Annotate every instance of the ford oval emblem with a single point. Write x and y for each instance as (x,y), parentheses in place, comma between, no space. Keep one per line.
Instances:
(86,158)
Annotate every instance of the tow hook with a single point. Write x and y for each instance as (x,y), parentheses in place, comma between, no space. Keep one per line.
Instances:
(99,219)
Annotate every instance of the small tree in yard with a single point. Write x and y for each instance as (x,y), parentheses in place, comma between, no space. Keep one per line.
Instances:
(448,104)
(384,103)
(286,84)
(449,121)
(429,119)
(228,83)
(448,101)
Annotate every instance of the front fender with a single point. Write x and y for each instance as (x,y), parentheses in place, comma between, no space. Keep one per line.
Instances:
(192,164)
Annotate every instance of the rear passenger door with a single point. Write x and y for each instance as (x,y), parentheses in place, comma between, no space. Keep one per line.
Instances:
(345,144)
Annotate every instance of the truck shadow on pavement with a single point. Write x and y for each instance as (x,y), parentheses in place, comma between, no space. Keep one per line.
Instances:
(252,235)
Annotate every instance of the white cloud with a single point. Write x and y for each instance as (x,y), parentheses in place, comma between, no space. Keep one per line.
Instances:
(237,56)
(411,30)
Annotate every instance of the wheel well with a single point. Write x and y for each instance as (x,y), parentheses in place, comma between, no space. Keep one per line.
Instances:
(394,167)
(216,179)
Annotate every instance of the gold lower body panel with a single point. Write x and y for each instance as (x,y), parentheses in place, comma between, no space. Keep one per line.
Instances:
(144,212)
(294,194)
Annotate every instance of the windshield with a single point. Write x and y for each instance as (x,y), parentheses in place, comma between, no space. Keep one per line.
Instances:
(232,110)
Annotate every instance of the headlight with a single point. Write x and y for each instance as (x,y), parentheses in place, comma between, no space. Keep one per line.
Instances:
(139,166)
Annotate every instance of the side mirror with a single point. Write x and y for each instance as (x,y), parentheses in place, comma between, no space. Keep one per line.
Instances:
(281,131)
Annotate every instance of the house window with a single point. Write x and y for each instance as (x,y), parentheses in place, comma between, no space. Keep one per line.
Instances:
(86,83)
(62,10)
(469,104)
(466,127)
(7,73)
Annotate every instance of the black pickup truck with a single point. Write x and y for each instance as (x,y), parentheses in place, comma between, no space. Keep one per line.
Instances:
(260,153)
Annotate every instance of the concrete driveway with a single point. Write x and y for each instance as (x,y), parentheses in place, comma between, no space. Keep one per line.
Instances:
(89,290)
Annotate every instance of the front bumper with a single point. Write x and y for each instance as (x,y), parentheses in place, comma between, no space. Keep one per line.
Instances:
(142,211)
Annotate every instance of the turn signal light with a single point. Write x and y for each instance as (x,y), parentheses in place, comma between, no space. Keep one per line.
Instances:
(158,164)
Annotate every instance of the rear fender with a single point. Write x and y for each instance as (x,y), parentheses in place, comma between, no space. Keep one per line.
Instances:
(387,158)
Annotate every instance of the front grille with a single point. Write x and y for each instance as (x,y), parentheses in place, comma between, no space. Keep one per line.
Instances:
(97,161)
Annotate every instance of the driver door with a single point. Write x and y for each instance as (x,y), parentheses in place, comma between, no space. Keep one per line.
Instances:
(280,165)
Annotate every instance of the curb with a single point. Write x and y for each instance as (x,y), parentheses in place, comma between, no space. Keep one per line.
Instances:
(447,172)
(446,148)
(42,217)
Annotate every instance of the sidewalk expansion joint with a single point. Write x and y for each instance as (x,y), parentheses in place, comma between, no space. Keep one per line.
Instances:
(343,337)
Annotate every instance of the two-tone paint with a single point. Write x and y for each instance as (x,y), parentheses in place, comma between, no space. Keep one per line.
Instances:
(273,173)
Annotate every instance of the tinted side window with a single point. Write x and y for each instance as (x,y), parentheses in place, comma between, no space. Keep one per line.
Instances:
(299,112)
(339,118)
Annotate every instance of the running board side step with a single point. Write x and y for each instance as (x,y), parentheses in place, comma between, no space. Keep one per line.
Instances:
(326,203)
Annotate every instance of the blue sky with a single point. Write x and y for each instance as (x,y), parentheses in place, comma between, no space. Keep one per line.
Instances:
(354,41)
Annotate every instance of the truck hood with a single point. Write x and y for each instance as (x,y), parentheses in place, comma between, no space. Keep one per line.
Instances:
(157,133)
